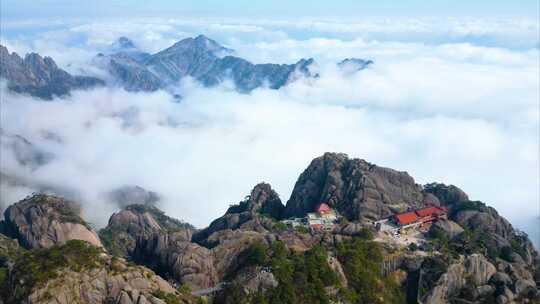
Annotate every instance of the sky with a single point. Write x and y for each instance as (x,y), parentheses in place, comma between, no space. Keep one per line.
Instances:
(283,8)
(453,97)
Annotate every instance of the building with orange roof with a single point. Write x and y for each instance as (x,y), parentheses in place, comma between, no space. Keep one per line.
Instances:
(420,216)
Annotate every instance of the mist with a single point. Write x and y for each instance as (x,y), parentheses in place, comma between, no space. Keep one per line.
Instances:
(454,112)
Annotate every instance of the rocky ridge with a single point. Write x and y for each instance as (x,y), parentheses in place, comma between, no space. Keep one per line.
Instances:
(200,58)
(40,76)
(42,221)
(475,256)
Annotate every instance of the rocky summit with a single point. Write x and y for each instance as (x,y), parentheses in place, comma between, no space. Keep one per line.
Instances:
(40,76)
(351,232)
(200,58)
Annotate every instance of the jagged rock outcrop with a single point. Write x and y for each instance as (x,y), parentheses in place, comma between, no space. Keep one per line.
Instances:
(474,271)
(42,221)
(446,195)
(447,227)
(247,76)
(474,257)
(255,279)
(129,71)
(40,76)
(357,189)
(177,258)
(78,272)
(494,232)
(263,200)
(136,222)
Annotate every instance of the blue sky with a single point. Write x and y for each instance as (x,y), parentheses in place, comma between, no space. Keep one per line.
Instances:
(274,8)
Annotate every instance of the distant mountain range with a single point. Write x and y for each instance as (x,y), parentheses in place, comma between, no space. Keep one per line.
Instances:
(40,76)
(201,58)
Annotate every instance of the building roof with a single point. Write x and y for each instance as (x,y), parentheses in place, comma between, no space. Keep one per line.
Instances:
(316,226)
(322,207)
(430,211)
(406,218)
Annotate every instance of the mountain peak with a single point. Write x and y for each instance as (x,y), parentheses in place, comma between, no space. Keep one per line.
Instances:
(199,43)
(123,43)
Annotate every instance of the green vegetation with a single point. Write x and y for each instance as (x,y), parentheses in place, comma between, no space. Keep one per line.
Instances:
(301,229)
(306,277)
(67,211)
(256,254)
(433,267)
(115,238)
(168,223)
(36,267)
(109,239)
(440,242)
(302,277)
(169,298)
(184,289)
(468,205)
(272,208)
(361,259)
(3,275)
(280,226)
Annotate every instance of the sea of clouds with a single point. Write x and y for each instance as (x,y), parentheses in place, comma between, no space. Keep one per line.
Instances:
(447,100)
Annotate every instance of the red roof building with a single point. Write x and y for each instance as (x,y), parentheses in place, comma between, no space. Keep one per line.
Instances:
(406,218)
(424,215)
(322,208)
(430,211)
(316,226)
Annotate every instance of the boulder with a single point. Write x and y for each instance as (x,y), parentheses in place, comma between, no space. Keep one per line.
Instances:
(357,189)
(446,195)
(248,214)
(500,279)
(479,269)
(41,221)
(474,269)
(254,279)
(449,228)
(139,221)
(524,287)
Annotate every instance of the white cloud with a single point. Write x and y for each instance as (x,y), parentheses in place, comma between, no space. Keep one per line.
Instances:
(457,113)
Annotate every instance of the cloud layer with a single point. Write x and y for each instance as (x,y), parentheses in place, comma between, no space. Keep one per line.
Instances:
(458,111)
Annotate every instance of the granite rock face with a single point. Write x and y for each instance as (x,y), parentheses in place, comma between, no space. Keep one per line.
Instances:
(40,76)
(175,257)
(262,200)
(139,222)
(482,260)
(449,228)
(446,194)
(97,279)
(355,188)
(42,221)
(473,270)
